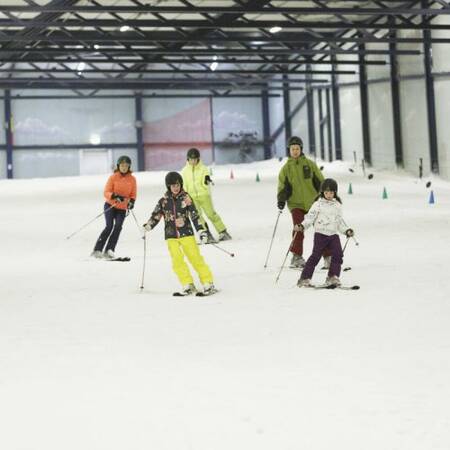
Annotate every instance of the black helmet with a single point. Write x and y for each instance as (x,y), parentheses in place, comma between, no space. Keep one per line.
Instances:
(329,185)
(294,140)
(193,153)
(173,178)
(124,159)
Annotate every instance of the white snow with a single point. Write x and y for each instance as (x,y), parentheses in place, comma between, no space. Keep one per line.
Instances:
(87,361)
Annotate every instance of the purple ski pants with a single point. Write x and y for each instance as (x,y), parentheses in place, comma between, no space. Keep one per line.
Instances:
(331,243)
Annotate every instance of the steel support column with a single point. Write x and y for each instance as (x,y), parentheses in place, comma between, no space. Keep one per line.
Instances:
(431,107)
(287,109)
(364,94)
(395,94)
(321,136)
(310,112)
(139,131)
(328,119)
(336,114)
(8,134)
(266,124)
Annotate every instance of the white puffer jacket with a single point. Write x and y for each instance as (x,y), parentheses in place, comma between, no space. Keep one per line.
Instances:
(326,216)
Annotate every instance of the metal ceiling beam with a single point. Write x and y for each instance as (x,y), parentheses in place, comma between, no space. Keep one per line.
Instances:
(36,69)
(150,40)
(212,52)
(240,10)
(202,24)
(190,61)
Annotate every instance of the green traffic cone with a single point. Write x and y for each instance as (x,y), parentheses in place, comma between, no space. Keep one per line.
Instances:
(350,190)
(385,196)
(257,177)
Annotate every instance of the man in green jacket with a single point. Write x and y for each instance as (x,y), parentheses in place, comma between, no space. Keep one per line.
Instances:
(298,185)
(196,181)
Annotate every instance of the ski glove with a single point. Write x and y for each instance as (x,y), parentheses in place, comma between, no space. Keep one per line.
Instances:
(281,205)
(349,233)
(146,227)
(203,237)
(208,180)
(117,197)
(131,203)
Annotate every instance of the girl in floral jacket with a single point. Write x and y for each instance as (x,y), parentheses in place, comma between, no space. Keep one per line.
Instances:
(178,210)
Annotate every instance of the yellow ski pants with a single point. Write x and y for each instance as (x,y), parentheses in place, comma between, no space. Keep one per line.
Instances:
(187,245)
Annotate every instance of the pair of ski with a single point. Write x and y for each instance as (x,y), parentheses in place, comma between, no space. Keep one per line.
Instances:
(354,287)
(197,294)
(119,258)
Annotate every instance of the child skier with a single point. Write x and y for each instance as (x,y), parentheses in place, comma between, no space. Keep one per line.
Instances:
(177,209)
(120,195)
(326,216)
(196,179)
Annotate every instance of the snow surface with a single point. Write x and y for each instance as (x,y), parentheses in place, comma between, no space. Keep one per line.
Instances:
(87,361)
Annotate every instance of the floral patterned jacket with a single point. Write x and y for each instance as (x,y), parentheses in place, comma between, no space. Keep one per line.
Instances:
(178,212)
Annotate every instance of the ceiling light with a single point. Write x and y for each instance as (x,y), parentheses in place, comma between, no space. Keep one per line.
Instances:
(275,29)
(81,66)
(124,28)
(96,46)
(214,66)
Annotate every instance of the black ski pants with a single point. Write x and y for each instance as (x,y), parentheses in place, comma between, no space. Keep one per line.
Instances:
(110,235)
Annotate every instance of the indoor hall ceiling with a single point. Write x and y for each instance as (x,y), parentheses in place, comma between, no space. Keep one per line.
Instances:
(201,44)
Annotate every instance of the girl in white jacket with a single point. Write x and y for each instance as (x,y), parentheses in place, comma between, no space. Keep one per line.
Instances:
(326,217)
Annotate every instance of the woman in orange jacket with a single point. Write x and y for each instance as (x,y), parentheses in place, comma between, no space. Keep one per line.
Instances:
(120,195)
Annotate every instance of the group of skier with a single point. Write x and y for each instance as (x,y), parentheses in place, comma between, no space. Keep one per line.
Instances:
(311,199)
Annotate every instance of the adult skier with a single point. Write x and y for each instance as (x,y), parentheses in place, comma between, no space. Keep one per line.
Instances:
(120,196)
(298,186)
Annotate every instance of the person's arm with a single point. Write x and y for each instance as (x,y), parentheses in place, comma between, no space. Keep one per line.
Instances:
(155,217)
(317,176)
(311,216)
(193,214)
(109,189)
(284,189)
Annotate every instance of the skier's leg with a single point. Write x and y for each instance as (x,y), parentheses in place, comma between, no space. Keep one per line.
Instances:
(179,266)
(109,219)
(119,217)
(211,214)
(336,256)
(320,242)
(192,252)
(297,245)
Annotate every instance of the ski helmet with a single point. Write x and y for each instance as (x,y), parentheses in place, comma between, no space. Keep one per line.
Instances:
(173,178)
(294,140)
(329,185)
(124,159)
(193,153)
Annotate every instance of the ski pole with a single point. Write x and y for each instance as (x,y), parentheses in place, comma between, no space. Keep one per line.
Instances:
(95,218)
(345,245)
(145,257)
(222,249)
(273,237)
(137,224)
(285,258)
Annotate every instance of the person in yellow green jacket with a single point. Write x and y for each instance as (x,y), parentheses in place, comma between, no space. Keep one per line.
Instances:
(298,185)
(196,181)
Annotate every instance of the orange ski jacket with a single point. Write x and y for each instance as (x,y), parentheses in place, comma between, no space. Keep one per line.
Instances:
(123,185)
